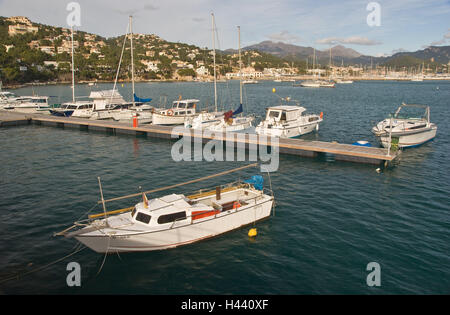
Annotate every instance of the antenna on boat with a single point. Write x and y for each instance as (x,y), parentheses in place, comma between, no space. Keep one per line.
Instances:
(103,200)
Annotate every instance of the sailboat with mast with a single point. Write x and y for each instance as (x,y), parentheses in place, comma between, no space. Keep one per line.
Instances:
(230,121)
(206,119)
(115,107)
(316,83)
(80,109)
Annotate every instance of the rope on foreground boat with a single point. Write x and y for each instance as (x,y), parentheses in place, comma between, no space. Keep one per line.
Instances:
(181,184)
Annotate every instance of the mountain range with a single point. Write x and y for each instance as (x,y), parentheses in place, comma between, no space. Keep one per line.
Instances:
(340,54)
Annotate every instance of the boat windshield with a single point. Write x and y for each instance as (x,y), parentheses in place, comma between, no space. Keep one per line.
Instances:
(273,114)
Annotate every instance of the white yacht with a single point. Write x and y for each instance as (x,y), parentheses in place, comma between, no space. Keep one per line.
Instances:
(81,109)
(8,98)
(181,110)
(311,84)
(29,104)
(287,121)
(175,220)
(406,131)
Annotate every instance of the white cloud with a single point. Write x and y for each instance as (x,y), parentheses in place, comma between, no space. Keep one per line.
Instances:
(283,36)
(353,40)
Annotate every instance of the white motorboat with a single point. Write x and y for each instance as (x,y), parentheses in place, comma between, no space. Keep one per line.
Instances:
(181,110)
(204,120)
(250,81)
(174,220)
(80,109)
(326,84)
(29,104)
(341,81)
(311,84)
(287,121)
(406,131)
(8,98)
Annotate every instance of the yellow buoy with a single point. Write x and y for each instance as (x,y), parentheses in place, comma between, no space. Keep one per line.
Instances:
(253,232)
(122,84)
(273,90)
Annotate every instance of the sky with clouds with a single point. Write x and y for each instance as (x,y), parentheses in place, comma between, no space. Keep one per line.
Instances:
(405,25)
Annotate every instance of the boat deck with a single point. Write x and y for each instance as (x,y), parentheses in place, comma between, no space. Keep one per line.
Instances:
(345,152)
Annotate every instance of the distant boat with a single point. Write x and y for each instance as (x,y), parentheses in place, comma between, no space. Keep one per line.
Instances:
(250,82)
(406,132)
(317,84)
(340,81)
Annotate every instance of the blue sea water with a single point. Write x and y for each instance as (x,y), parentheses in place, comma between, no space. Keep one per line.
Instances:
(331,218)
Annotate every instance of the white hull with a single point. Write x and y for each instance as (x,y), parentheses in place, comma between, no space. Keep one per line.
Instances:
(239,124)
(310,85)
(159,119)
(411,140)
(32,110)
(182,234)
(289,132)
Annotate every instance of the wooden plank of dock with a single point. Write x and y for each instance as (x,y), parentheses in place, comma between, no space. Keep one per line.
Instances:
(345,152)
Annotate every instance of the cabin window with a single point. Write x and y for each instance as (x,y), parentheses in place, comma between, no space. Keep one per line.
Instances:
(283,116)
(274,114)
(190,105)
(142,217)
(182,113)
(417,127)
(167,218)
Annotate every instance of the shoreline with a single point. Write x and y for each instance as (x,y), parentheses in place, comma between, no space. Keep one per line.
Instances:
(285,79)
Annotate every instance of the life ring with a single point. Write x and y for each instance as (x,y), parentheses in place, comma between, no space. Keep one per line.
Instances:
(170,112)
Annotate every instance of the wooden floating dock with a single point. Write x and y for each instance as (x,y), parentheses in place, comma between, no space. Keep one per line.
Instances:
(343,152)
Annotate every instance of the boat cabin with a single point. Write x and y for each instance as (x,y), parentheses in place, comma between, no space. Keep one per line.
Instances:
(176,209)
(184,107)
(284,113)
(77,105)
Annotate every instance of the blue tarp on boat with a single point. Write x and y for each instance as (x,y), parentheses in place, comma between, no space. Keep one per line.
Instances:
(238,110)
(257,181)
(141,100)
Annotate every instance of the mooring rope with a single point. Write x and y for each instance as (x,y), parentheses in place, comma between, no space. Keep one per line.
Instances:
(43,267)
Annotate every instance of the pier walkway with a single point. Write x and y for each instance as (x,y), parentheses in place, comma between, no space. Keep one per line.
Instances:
(343,152)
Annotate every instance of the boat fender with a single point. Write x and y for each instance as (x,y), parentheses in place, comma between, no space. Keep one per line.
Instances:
(253,232)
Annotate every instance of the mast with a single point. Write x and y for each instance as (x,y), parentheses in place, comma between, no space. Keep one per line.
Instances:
(240,65)
(73,69)
(314,63)
(132,58)
(214,60)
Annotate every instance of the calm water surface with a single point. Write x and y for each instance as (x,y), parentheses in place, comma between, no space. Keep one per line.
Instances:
(331,218)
